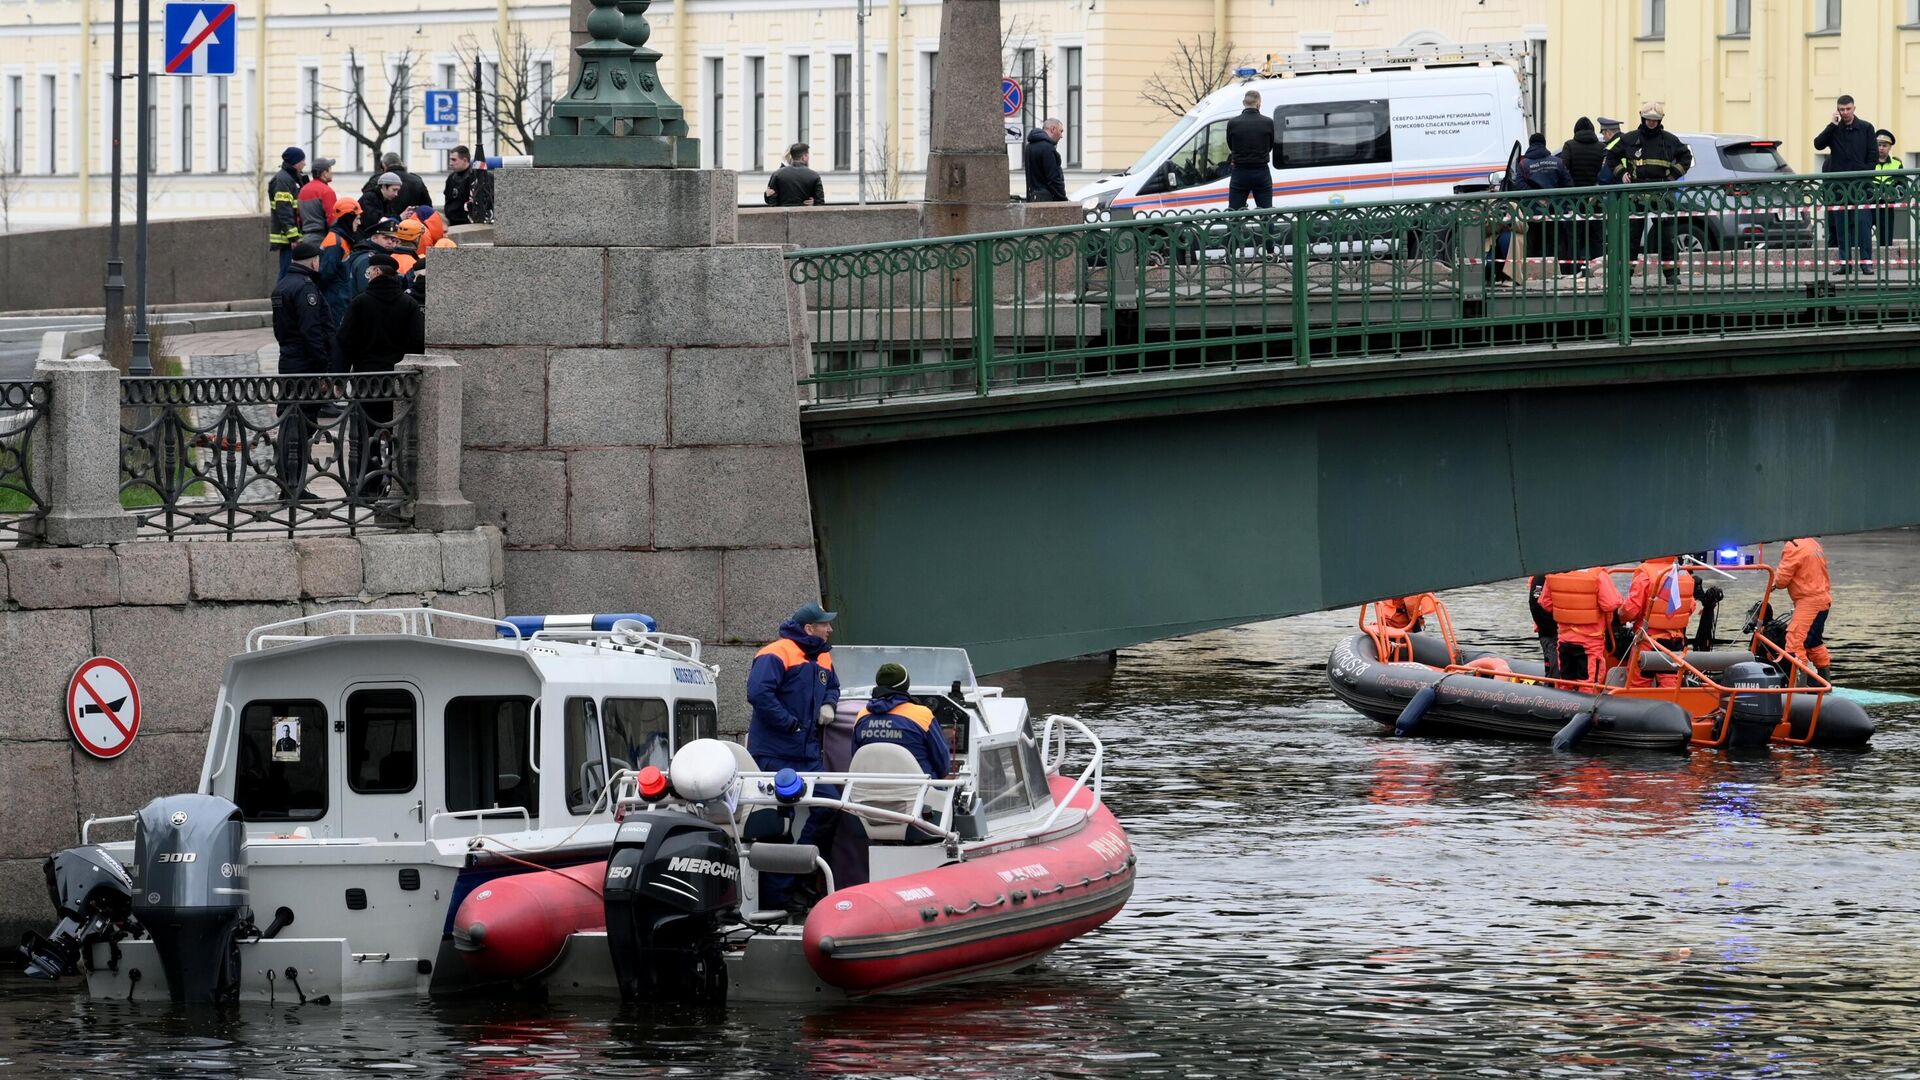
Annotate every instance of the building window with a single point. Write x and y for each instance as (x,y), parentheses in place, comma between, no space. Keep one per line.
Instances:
(16,122)
(757,121)
(1826,14)
(717,110)
(803,99)
(221,149)
(1076,103)
(1025,73)
(543,95)
(153,123)
(1740,17)
(49,123)
(1653,18)
(310,110)
(489,126)
(403,86)
(842,111)
(930,79)
(356,93)
(449,80)
(183,121)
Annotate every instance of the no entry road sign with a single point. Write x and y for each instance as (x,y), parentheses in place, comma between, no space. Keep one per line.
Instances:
(103,707)
(200,39)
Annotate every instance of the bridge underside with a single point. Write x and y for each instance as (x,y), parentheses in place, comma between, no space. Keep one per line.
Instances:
(1073,520)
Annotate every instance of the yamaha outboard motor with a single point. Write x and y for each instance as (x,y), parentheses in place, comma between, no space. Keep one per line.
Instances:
(1753,716)
(672,882)
(192,897)
(94,899)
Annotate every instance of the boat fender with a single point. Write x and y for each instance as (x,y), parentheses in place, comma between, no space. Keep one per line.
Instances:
(1568,737)
(770,858)
(1416,708)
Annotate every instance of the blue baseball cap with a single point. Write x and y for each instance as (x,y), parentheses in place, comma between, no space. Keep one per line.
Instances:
(813,613)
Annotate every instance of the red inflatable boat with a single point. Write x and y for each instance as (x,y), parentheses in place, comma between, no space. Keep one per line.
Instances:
(993,912)
(514,927)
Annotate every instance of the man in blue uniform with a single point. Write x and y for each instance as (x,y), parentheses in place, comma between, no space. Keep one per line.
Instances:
(793,690)
(896,720)
(304,330)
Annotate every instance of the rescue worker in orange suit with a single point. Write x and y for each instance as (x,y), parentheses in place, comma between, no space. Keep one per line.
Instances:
(1543,626)
(1583,604)
(1403,612)
(1661,598)
(1803,573)
(893,719)
(793,690)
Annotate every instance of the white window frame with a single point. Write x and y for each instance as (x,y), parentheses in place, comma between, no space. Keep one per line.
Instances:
(834,53)
(1650,26)
(1828,16)
(46,114)
(446,76)
(218,132)
(926,84)
(753,98)
(10,99)
(351,155)
(181,135)
(312,126)
(879,114)
(250,108)
(1734,29)
(405,134)
(544,70)
(1316,40)
(1074,155)
(77,149)
(799,110)
(713,122)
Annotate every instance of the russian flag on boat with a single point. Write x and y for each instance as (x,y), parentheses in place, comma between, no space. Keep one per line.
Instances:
(1673,589)
(533,624)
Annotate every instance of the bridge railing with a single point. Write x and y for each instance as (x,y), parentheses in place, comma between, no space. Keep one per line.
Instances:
(1358,282)
(23,407)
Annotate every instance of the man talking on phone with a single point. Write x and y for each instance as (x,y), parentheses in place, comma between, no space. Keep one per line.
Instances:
(1850,148)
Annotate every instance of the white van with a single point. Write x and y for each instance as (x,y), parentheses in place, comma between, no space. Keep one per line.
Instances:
(1363,125)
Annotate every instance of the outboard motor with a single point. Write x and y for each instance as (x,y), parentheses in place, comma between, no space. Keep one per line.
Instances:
(191,854)
(94,899)
(1753,716)
(673,881)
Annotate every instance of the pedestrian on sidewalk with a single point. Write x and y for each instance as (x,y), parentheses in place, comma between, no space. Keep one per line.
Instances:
(1650,154)
(316,201)
(460,177)
(1046,181)
(1583,155)
(1850,146)
(383,325)
(283,204)
(1888,188)
(380,201)
(303,330)
(795,183)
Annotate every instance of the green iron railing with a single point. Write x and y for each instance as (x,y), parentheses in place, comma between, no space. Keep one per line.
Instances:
(1357,282)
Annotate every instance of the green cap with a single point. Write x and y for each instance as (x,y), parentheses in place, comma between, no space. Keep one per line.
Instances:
(890,677)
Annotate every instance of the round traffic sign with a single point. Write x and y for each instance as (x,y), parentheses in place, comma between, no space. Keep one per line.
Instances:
(1010,96)
(103,707)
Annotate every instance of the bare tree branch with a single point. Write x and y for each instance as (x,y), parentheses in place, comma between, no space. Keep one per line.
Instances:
(519,105)
(1199,66)
(356,116)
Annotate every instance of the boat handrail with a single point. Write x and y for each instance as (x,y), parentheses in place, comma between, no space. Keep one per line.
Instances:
(756,789)
(414,621)
(1817,687)
(86,827)
(657,642)
(224,725)
(1095,770)
(480,816)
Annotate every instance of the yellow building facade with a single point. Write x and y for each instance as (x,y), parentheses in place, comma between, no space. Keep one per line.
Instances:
(1768,68)
(754,76)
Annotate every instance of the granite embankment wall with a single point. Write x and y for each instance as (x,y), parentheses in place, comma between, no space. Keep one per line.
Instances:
(172,613)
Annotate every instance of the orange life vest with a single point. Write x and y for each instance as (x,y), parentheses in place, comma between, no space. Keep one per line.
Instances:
(1660,624)
(1576,600)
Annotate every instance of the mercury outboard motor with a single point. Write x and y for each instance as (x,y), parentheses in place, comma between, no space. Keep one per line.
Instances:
(94,899)
(191,854)
(672,882)
(1753,716)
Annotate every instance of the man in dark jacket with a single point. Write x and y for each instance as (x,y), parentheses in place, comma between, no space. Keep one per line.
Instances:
(892,718)
(1650,154)
(380,201)
(1046,181)
(795,183)
(1848,141)
(793,690)
(460,174)
(1250,149)
(302,328)
(1609,140)
(1584,154)
(383,325)
(413,190)
(283,204)
(1540,170)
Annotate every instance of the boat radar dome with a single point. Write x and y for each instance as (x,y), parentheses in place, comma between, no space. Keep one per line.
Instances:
(703,769)
(533,624)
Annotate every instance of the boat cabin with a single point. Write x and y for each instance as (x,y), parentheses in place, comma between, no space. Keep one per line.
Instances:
(395,734)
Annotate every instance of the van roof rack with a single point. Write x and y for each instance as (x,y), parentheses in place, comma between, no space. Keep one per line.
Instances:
(1516,54)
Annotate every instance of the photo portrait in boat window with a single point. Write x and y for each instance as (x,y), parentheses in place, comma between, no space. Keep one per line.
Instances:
(286,738)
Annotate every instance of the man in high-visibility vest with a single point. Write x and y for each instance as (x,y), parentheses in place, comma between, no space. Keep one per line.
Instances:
(1887,188)
(1661,600)
(1583,603)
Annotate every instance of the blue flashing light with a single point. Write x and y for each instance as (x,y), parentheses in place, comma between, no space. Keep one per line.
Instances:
(787,785)
(1245,72)
(1728,556)
(533,624)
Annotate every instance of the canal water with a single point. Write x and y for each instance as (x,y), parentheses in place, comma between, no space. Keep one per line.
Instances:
(1314,897)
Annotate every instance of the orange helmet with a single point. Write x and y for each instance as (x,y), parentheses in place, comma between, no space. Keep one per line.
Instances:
(343,207)
(445,242)
(409,231)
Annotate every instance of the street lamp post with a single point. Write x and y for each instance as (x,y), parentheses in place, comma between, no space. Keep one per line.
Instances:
(116,287)
(141,363)
(861,9)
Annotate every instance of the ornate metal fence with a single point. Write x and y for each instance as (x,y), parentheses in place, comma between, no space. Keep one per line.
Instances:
(1360,282)
(23,408)
(254,454)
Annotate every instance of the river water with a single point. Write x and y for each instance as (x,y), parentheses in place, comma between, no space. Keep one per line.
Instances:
(1313,897)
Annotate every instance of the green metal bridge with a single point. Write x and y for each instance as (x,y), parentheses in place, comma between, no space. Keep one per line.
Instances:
(1046,443)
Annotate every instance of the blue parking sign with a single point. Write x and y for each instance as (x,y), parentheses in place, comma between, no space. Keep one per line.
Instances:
(443,107)
(200,39)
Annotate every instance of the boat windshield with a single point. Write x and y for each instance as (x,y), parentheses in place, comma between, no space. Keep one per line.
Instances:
(857,664)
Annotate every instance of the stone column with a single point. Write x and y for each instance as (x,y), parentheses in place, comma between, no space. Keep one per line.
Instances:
(80,455)
(438,505)
(967,173)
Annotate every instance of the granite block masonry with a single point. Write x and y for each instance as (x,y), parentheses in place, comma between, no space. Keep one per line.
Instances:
(644,443)
(172,612)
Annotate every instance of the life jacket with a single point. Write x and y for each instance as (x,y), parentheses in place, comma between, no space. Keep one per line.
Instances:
(1660,624)
(406,259)
(334,239)
(1576,600)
